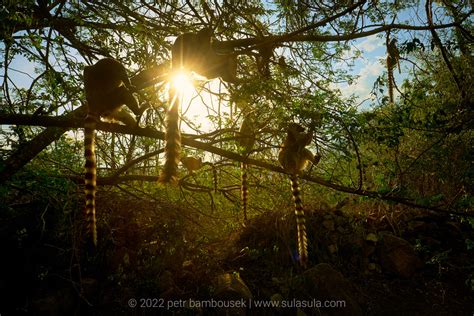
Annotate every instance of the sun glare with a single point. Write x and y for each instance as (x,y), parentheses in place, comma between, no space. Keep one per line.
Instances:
(196,104)
(182,83)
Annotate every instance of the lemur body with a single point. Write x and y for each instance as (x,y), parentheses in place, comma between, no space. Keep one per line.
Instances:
(192,164)
(107,88)
(194,52)
(246,142)
(393,60)
(294,157)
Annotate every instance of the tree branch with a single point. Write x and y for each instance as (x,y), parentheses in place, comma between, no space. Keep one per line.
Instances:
(73,122)
(327,38)
(444,54)
(32,148)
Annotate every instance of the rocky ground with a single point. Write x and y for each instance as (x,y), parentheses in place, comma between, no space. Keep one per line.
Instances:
(398,263)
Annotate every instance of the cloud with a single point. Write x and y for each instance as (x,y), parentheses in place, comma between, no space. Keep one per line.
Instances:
(370,44)
(369,48)
(362,86)
(373,68)
(367,68)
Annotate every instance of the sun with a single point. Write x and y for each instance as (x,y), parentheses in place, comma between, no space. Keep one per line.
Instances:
(182,82)
(196,104)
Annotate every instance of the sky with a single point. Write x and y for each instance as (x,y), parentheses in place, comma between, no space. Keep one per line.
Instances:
(367,68)
(370,66)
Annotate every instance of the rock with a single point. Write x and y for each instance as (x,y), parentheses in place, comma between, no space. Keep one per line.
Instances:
(374,267)
(167,286)
(90,287)
(231,287)
(277,297)
(417,226)
(368,250)
(328,216)
(329,225)
(61,303)
(342,230)
(332,248)
(118,259)
(398,256)
(333,237)
(188,265)
(372,237)
(327,284)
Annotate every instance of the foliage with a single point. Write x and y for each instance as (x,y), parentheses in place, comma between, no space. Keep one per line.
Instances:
(416,151)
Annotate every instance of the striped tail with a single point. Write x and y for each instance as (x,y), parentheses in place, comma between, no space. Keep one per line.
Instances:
(173,141)
(300,222)
(244,192)
(90,175)
(390,83)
